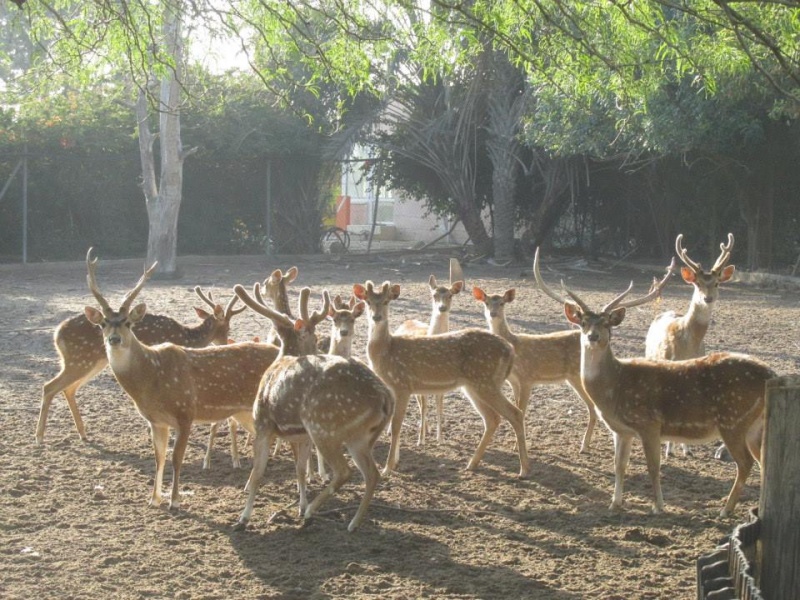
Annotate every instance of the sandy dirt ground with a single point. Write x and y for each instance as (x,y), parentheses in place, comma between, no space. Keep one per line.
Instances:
(75,520)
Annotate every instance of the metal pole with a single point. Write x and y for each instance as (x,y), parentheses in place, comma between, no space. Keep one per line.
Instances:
(25,206)
(268,217)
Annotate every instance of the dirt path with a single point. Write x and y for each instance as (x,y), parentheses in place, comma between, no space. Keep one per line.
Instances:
(74,518)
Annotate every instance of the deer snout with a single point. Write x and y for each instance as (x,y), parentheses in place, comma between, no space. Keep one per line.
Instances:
(708,299)
(114,339)
(442,309)
(377,318)
(593,336)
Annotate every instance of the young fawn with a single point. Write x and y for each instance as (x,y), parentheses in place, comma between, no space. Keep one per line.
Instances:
(719,395)
(538,359)
(330,401)
(677,337)
(80,348)
(474,360)
(173,386)
(441,300)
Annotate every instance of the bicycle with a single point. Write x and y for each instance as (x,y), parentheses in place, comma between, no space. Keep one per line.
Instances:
(334,240)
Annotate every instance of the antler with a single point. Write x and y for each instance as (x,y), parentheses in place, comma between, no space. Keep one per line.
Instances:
(684,256)
(655,290)
(542,285)
(257,304)
(91,265)
(91,279)
(208,299)
(318,315)
(725,255)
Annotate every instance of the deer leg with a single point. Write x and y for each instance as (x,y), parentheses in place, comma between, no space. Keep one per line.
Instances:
(422,402)
(321,470)
(233,427)
(522,395)
(160,436)
(178,452)
(211,436)
(651,443)
(495,399)
(622,454)
(400,408)
(361,451)
(302,456)
(331,450)
(738,448)
(592,414)
(69,382)
(261,445)
(439,416)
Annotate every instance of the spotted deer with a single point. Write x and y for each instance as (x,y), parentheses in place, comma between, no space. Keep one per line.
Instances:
(538,359)
(718,395)
(275,289)
(82,354)
(331,401)
(343,320)
(473,360)
(173,386)
(677,337)
(441,301)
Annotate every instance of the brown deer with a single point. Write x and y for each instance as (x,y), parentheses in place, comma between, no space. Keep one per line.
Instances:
(538,359)
(173,386)
(343,319)
(80,348)
(474,360)
(719,395)
(677,337)
(330,401)
(441,300)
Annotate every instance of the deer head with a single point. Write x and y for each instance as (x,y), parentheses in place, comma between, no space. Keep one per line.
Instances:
(706,283)
(116,324)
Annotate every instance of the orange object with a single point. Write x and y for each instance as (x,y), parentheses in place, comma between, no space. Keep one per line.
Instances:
(342,211)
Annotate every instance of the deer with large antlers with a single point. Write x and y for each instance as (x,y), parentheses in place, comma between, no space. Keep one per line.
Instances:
(473,360)
(719,395)
(330,401)
(82,354)
(538,358)
(173,386)
(441,301)
(677,337)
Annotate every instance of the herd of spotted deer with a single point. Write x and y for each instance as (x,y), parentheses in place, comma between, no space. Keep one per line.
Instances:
(284,389)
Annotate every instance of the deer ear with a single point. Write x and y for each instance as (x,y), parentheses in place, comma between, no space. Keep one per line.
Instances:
(299,324)
(359,291)
(456,287)
(510,295)
(478,293)
(202,314)
(432,282)
(727,273)
(394,291)
(573,313)
(616,316)
(291,275)
(219,313)
(93,315)
(688,275)
(358,309)
(137,312)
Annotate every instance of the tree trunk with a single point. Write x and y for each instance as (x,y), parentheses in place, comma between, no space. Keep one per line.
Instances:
(505,102)
(163,196)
